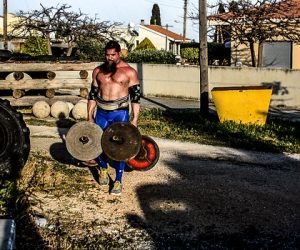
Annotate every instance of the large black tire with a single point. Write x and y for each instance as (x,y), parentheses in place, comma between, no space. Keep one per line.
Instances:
(14,141)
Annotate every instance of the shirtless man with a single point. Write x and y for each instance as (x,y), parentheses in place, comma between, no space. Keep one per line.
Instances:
(115,85)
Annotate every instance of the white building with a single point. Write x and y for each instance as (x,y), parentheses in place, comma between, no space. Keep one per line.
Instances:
(162,38)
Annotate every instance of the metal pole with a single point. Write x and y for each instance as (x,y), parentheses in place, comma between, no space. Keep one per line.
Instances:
(184,19)
(5,24)
(203,62)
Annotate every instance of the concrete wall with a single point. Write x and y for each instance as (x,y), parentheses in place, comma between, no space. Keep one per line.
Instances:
(183,81)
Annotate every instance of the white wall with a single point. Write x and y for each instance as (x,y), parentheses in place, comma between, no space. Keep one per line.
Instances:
(184,81)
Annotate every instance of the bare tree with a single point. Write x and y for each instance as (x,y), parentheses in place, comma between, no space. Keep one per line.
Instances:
(61,24)
(259,21)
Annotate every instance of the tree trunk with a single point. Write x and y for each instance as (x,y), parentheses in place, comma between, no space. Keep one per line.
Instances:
(259,60)
(253,59)
(49,45)
(70,48)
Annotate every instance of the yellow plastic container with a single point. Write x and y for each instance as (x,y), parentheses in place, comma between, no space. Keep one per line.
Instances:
(247,105)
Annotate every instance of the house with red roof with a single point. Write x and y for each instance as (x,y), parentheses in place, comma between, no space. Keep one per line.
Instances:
(272,49)
(161,37)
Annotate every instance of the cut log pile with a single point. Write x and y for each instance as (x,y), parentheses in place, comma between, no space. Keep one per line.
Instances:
(22,82)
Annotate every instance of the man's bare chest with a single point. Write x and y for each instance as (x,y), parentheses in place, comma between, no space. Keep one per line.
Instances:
(114,79)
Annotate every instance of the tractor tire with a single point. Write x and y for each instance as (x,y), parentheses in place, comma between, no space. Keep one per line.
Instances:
(14,141)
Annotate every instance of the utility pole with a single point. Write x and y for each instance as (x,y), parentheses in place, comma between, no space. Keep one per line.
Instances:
(203,62)
(184,18)
(5,24)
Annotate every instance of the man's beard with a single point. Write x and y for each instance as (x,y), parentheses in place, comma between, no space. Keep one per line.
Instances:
(109,67)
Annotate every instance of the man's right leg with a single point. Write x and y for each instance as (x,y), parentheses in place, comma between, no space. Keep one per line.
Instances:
(101,120)
(103,178)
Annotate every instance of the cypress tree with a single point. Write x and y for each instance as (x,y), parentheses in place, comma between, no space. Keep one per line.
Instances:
(155,18)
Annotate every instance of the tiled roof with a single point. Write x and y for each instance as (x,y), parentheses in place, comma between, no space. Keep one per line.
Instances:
(166,32)
(286,9)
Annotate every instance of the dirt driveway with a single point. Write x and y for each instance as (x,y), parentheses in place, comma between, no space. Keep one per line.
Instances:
(196,197)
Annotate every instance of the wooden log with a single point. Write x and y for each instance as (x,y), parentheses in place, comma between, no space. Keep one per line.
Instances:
(28,101)
(83,74)
(84,92)
(54,66)
(51,75)
(18,93)
(50,93)
(18,75)
(45,84)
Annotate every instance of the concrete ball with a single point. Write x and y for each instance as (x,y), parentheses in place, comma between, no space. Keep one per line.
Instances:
(70,105)
(80,110)
(83,100)
(41,109)
(60,109)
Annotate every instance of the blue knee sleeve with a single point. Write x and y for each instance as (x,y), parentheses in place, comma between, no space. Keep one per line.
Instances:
(120,166)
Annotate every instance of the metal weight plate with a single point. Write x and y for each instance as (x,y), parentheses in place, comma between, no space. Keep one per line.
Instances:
(147,157)
(83,141)
(121,141)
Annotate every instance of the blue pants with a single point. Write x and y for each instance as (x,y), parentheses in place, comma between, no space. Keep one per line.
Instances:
(105,118)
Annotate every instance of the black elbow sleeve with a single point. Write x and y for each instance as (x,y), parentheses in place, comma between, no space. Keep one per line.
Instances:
(93,93)
(135,93)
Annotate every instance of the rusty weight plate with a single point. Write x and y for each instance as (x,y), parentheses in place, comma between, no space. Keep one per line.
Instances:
(121,141)
(147,157)
(83,141)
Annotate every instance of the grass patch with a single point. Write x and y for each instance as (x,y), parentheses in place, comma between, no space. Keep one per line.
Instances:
(276,135)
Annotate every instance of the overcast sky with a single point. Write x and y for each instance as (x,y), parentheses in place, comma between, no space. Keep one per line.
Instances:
(125,11)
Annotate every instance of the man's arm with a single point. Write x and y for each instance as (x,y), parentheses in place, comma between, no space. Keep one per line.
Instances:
(91,105)
(135,94)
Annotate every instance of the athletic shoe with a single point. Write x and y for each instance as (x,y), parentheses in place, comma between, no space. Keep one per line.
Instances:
(117,188)
(103,178)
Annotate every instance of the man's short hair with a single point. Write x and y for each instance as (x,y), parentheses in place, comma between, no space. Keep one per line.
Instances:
(113,45)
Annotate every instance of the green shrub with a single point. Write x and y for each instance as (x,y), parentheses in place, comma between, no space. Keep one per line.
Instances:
(151,56)
(35,46)
(216,51)
(190,54)
(90,49)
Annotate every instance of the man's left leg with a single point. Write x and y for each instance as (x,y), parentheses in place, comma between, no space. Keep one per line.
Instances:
(117,188)
(123,116)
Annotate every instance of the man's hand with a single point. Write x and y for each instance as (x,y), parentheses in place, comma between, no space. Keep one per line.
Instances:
(91,119)
(134,122)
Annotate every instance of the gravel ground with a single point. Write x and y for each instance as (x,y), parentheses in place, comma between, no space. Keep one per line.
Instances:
(196,197)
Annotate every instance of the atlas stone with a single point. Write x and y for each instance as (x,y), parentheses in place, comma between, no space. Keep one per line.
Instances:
(71,106)
(60,109)
(83,100)
(41,109)
(80,110)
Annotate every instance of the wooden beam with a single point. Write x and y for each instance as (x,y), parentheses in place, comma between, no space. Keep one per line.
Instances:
(45,84)
(47,66)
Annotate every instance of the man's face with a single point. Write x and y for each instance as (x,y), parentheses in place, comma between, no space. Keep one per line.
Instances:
(112,55)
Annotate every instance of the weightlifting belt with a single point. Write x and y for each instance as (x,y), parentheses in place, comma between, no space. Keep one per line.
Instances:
(121,103)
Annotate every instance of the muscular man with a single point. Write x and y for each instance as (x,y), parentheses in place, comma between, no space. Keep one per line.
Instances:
(115,85)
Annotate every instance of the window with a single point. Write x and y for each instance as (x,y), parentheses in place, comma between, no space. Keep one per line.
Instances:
(277,54)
